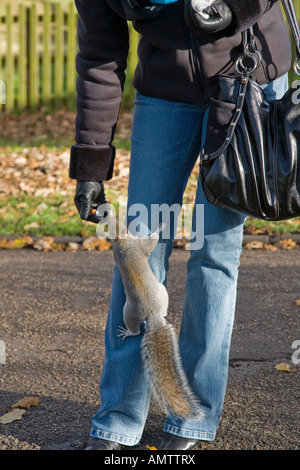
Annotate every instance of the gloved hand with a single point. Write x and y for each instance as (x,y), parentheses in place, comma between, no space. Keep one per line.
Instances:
(212,19)
(90,201)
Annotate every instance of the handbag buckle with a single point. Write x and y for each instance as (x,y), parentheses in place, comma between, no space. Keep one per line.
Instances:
(240,67)
(297,66)
(250,52)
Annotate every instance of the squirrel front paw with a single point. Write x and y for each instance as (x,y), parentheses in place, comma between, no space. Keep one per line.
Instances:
(126,332)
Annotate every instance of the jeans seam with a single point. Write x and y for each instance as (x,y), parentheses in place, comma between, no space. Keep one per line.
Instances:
(197,135)
(114,437)
(186,161)
(201,435)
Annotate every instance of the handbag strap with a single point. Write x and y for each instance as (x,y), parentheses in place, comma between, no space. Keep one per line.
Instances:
(250,50)
(251,53)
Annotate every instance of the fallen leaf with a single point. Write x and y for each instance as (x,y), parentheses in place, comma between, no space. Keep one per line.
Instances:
(95,243)
(284,367)
(72,246)
(49,240)
(84,233)
(288,244)
(41,208)
(270,247)
(71,213)
(26,402)
(42,245)
(11,416)
(56,247)
(89,243)
(22,205)
(27,240)
(18,243)
(31,226)
(151,447)
(255,245)
(103,245)
(2,243)
(297,302)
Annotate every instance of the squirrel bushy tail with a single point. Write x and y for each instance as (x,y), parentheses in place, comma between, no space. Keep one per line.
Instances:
(162,362)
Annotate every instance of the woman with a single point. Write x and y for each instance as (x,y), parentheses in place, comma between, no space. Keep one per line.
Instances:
(181,52)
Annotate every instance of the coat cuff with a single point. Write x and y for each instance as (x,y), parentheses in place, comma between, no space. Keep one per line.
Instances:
(91,163)
(245,14)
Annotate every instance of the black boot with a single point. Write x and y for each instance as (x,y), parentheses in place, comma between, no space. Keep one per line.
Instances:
(101,444)
(172,442)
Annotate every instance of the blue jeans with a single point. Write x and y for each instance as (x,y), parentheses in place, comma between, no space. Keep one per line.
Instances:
(166,139)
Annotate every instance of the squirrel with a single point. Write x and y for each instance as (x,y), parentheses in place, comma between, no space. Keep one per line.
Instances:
(147,301)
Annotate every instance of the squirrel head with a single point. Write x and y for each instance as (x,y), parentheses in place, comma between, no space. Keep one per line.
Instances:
(126,240)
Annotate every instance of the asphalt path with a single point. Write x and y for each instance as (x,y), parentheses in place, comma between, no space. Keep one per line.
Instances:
(53,309)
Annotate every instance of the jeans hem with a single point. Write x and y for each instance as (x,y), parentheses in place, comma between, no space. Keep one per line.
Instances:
(109,436)
(201,435)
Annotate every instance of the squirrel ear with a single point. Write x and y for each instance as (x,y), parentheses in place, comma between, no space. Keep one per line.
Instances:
(149,243)
(115,232)
(112,228)
(160,227)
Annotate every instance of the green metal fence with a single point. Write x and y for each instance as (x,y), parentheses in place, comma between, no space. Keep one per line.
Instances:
(38,47)
(37,54)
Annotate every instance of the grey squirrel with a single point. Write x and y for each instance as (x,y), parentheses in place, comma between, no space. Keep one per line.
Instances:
(147,301)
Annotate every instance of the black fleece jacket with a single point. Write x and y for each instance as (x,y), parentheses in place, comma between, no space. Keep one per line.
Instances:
(165,69)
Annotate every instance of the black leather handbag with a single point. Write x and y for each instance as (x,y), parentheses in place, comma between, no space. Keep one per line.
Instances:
(250,162)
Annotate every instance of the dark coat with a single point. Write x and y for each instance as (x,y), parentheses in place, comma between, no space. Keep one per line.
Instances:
(165,69)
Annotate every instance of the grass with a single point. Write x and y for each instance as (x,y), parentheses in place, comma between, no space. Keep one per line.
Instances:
(256,226)
(35,216)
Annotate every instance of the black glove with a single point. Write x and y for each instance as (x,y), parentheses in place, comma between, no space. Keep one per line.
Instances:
(212,19)
(90,201)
